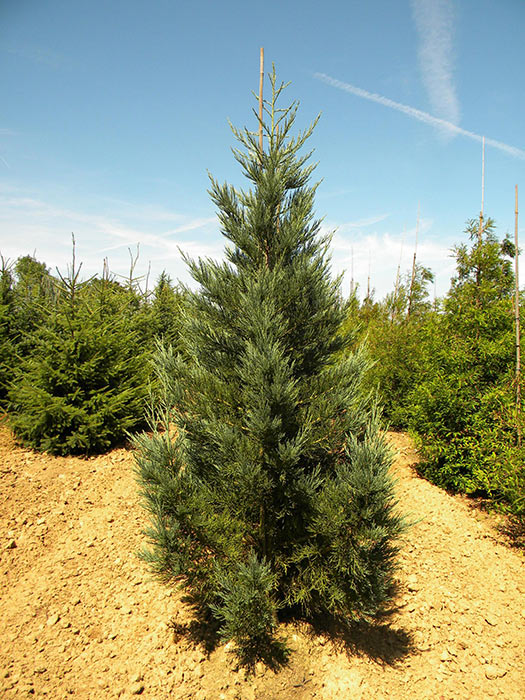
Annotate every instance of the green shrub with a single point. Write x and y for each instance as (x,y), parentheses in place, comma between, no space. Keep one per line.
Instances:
(462,407)
(84,384)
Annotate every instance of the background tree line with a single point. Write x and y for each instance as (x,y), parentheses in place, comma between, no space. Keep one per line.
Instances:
(75,370)
(446,371)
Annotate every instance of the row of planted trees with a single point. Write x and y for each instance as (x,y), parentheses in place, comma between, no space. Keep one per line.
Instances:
(447,371)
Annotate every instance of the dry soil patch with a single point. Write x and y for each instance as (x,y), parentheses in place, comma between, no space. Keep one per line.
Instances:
(81,616)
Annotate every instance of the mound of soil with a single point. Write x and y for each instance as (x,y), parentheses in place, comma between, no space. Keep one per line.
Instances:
(81,616)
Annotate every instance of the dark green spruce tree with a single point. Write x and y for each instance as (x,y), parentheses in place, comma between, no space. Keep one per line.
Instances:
(266,475)
(160,318)
(84,384)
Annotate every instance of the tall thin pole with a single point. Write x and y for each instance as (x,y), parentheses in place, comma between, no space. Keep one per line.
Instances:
(262,511)
(398,273)
(412,279)
(369,266)
(278,222)
(480,229)
(261,81)
(352,274)
(517,312)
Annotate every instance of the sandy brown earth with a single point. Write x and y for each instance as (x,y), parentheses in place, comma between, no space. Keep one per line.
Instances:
(80,615)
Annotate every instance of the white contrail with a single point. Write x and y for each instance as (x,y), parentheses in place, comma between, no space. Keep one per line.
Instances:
(434,21)
(418,114)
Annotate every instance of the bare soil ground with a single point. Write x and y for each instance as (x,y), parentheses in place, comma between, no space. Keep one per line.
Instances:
(81,616)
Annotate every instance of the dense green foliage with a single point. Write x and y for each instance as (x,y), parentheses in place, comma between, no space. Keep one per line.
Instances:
(463,408)
(165,310)
(395,331)
(266,474)
(75,356)
(446,371)
(26,296)
(7,331)
(84,384)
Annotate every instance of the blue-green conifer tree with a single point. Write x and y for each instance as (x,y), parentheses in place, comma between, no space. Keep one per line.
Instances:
(266,475)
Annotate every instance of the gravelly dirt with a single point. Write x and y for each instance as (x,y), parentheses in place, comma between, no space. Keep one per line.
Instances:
(80,615)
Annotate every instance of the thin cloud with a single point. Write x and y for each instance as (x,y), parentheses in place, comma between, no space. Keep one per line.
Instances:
(35,225)
(329,228)
(6,132)
(418,114)
(192,225)
(369,221)
(334,193)
(381,251)
(145,212)
(434,20)
(131,237)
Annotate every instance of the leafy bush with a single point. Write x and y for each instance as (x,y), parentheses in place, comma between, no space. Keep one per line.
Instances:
(395,332)
(248,610)
(462,406)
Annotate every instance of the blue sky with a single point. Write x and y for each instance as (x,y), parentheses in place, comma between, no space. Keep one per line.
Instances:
(114,112)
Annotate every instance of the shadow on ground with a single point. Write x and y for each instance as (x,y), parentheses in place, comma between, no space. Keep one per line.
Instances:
(379,640)
(382,643)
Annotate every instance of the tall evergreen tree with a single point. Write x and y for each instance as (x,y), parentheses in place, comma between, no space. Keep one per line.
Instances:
(26,298)
(266,475)
(166,310)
